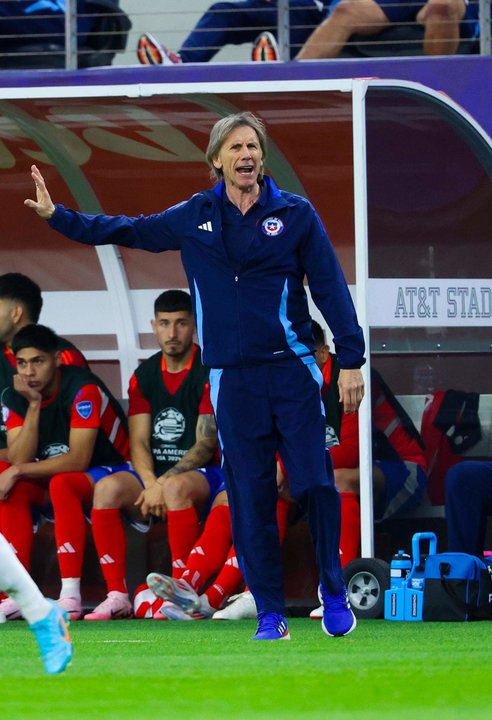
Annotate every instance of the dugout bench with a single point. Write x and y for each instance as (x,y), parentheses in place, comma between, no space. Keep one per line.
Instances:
(150,552)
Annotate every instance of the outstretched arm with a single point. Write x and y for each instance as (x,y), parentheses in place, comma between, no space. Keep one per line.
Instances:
(43,204)
(155,233)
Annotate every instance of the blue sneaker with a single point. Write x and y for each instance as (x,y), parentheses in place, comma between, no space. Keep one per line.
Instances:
(338,618)
(53,639)
(177,591)
(271,627)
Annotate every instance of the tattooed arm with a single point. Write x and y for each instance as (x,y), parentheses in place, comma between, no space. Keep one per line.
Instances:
(202,452)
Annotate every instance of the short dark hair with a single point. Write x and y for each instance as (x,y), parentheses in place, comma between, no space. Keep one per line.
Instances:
(18,287)
(36,336)
(173,301)
(318,334)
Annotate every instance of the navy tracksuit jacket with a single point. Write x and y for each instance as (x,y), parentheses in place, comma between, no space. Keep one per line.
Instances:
(255,331)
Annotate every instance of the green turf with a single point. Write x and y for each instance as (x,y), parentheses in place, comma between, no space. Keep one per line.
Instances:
(148,669)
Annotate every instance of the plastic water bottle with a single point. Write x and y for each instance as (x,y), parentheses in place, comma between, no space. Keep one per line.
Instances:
(400,566)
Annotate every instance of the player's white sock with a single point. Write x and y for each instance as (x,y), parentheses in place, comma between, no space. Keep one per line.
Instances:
(18,584)
(70,588)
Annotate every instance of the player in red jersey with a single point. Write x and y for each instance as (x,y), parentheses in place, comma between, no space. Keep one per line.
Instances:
(173,440)
(20,305)
(65,431)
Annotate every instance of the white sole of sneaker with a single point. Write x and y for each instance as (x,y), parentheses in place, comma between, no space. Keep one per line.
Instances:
(167,589)
(352,627)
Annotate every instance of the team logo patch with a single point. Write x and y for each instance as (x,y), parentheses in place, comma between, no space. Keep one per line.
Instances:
(84,408)
(272,226)
(54,450)
(169,425)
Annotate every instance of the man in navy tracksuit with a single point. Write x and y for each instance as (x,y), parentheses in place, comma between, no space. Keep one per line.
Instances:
(246,247)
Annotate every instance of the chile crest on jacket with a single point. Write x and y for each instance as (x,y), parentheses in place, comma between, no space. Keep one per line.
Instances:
(272,226)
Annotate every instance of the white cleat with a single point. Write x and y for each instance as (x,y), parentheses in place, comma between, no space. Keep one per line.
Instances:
(317,613)
(242,607)
(175,590)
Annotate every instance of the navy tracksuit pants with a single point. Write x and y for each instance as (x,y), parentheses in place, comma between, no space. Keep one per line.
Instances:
(468,503)
(261,410)
(235,23)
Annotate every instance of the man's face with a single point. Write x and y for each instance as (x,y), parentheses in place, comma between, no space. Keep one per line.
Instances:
(240,158)
(38,369)
(7,325)
(321,355)
(174,332)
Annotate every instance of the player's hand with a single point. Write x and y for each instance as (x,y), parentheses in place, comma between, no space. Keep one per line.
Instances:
(21,384)
(150,501)
(351,389)
(43,204)
(8,479)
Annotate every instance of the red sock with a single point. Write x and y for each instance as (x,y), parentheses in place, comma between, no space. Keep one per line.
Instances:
(183,530)
(16,517)
(110,539)
(227,581)
(210,550)
(69,493)
(350,530)
(283,507)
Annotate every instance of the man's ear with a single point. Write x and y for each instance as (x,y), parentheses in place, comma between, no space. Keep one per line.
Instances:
(58,358)
(17,313)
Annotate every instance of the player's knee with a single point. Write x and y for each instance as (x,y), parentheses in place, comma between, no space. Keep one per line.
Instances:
(20,494)
(220,499)
(177,491)
(441,11)
(57,486)
(345,13)
(109,493)
(347,480)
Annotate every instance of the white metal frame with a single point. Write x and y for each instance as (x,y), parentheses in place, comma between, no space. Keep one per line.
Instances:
(131,309)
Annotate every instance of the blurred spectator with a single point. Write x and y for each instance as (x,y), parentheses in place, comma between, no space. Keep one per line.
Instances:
(235,23)
(445,23)
(33,32)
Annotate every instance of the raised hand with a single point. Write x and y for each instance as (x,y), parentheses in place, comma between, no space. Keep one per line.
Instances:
(43,204)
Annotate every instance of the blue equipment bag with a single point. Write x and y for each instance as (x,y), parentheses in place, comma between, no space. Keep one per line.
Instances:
(457,587)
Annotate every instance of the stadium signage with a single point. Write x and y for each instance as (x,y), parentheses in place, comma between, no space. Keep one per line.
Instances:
(417,302)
